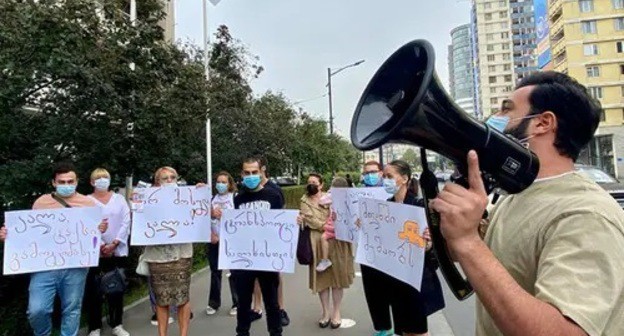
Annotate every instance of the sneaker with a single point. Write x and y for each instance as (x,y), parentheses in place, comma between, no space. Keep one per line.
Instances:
(154,320)
(284,318)
(210,311)
(323,265)
(120,331)
(95,332)
(233,311)
(384,333)
(255,315)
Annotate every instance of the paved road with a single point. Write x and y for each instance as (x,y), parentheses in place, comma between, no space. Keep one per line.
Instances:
(459,314)
(301,305)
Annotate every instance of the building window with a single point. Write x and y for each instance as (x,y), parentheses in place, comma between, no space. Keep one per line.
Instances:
(491,68)
(621,69)
(490,58)
(493,101)
(489,37)
(590,49)
(506,57)
(622,88)
(487,5)
(507,88)
(589,27)
(502,15)
(504,35)
(618,4)
(492,79)
(490,47)
(603,116)
(619,46)
(488,16)
(504,25)
(505,46)
(507,67)
(493,90)
(508,78)
(586,6)
(502,3)
(619,23)
(596,92)
(593,71)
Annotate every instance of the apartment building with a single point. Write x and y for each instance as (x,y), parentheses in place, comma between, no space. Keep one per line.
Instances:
(587,42)
(461,68)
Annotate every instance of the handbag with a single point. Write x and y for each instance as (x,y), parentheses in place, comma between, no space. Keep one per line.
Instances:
(113,282)
(304,247)
(142,267)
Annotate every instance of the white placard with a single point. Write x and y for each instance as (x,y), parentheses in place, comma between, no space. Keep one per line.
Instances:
(264,240)
(43,240)
(345,202)
(391,239)
(171,215)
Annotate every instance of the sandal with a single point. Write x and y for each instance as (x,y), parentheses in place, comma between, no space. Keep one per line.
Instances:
(323,324)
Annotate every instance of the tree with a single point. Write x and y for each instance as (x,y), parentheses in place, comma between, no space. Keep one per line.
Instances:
(412,159)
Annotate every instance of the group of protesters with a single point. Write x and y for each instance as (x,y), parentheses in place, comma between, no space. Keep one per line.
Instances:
(547,261)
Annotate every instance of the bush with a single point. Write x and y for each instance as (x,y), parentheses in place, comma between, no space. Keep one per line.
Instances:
(292,196)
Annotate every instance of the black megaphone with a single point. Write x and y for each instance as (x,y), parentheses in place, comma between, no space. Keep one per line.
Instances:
(405,103)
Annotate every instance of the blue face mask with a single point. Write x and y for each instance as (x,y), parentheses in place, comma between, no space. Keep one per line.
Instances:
(498,123)
(65,190)
(390,186)
(371,179)
(222,188)
(251,181)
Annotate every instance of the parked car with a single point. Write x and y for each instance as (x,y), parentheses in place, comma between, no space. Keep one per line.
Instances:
(284,181)
(606,181)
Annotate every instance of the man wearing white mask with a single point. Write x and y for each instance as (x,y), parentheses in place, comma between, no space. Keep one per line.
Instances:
(68,284)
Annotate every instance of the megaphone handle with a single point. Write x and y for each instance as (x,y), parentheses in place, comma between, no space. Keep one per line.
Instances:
(460,287)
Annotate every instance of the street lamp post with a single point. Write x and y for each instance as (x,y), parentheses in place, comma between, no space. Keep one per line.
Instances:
(330,73)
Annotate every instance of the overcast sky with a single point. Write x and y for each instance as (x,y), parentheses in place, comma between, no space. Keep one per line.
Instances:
(298,40)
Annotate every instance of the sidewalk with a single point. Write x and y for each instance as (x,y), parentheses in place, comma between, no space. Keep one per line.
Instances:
(301,305)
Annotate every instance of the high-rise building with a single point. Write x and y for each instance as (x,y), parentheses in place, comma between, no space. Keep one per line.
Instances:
(504,47)
(461,69)
(587,43)
(494,54)
(168,23)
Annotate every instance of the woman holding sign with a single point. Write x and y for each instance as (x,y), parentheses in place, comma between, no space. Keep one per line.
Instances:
(170,269)
(340,275)
(410,307)
(224,199)
(113,255)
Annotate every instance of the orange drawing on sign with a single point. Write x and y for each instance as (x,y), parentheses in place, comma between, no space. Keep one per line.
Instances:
(411,233)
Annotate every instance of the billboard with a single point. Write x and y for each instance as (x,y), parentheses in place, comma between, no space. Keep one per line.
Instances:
(542,29)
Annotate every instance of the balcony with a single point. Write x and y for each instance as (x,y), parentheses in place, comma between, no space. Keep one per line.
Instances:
(555,10)
(560,57)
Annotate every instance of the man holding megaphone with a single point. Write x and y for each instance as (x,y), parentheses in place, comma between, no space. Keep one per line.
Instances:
(552,260)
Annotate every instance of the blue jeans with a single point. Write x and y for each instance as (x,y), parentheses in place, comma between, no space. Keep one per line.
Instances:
(69,284)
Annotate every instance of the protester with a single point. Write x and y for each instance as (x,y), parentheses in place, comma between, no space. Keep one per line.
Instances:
(256,312)
(224,199)
(372,173)
(349,181)
(68,284)
(409,306)
(113,255)
(340,276)
(552,261)
(256,196)
(170,269)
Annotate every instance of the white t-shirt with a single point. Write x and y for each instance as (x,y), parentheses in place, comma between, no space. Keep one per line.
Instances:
(117,212)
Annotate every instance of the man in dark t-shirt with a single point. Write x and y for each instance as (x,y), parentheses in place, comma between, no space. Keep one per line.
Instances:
(257,197)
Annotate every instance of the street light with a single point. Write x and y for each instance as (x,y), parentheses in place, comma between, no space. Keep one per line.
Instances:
(330,73)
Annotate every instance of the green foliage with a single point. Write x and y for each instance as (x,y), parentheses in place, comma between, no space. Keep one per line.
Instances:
(292,196)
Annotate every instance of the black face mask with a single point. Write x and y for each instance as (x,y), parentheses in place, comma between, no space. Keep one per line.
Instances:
(312,189)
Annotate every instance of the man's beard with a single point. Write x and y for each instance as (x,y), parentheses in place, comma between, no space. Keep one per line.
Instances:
(520,132)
